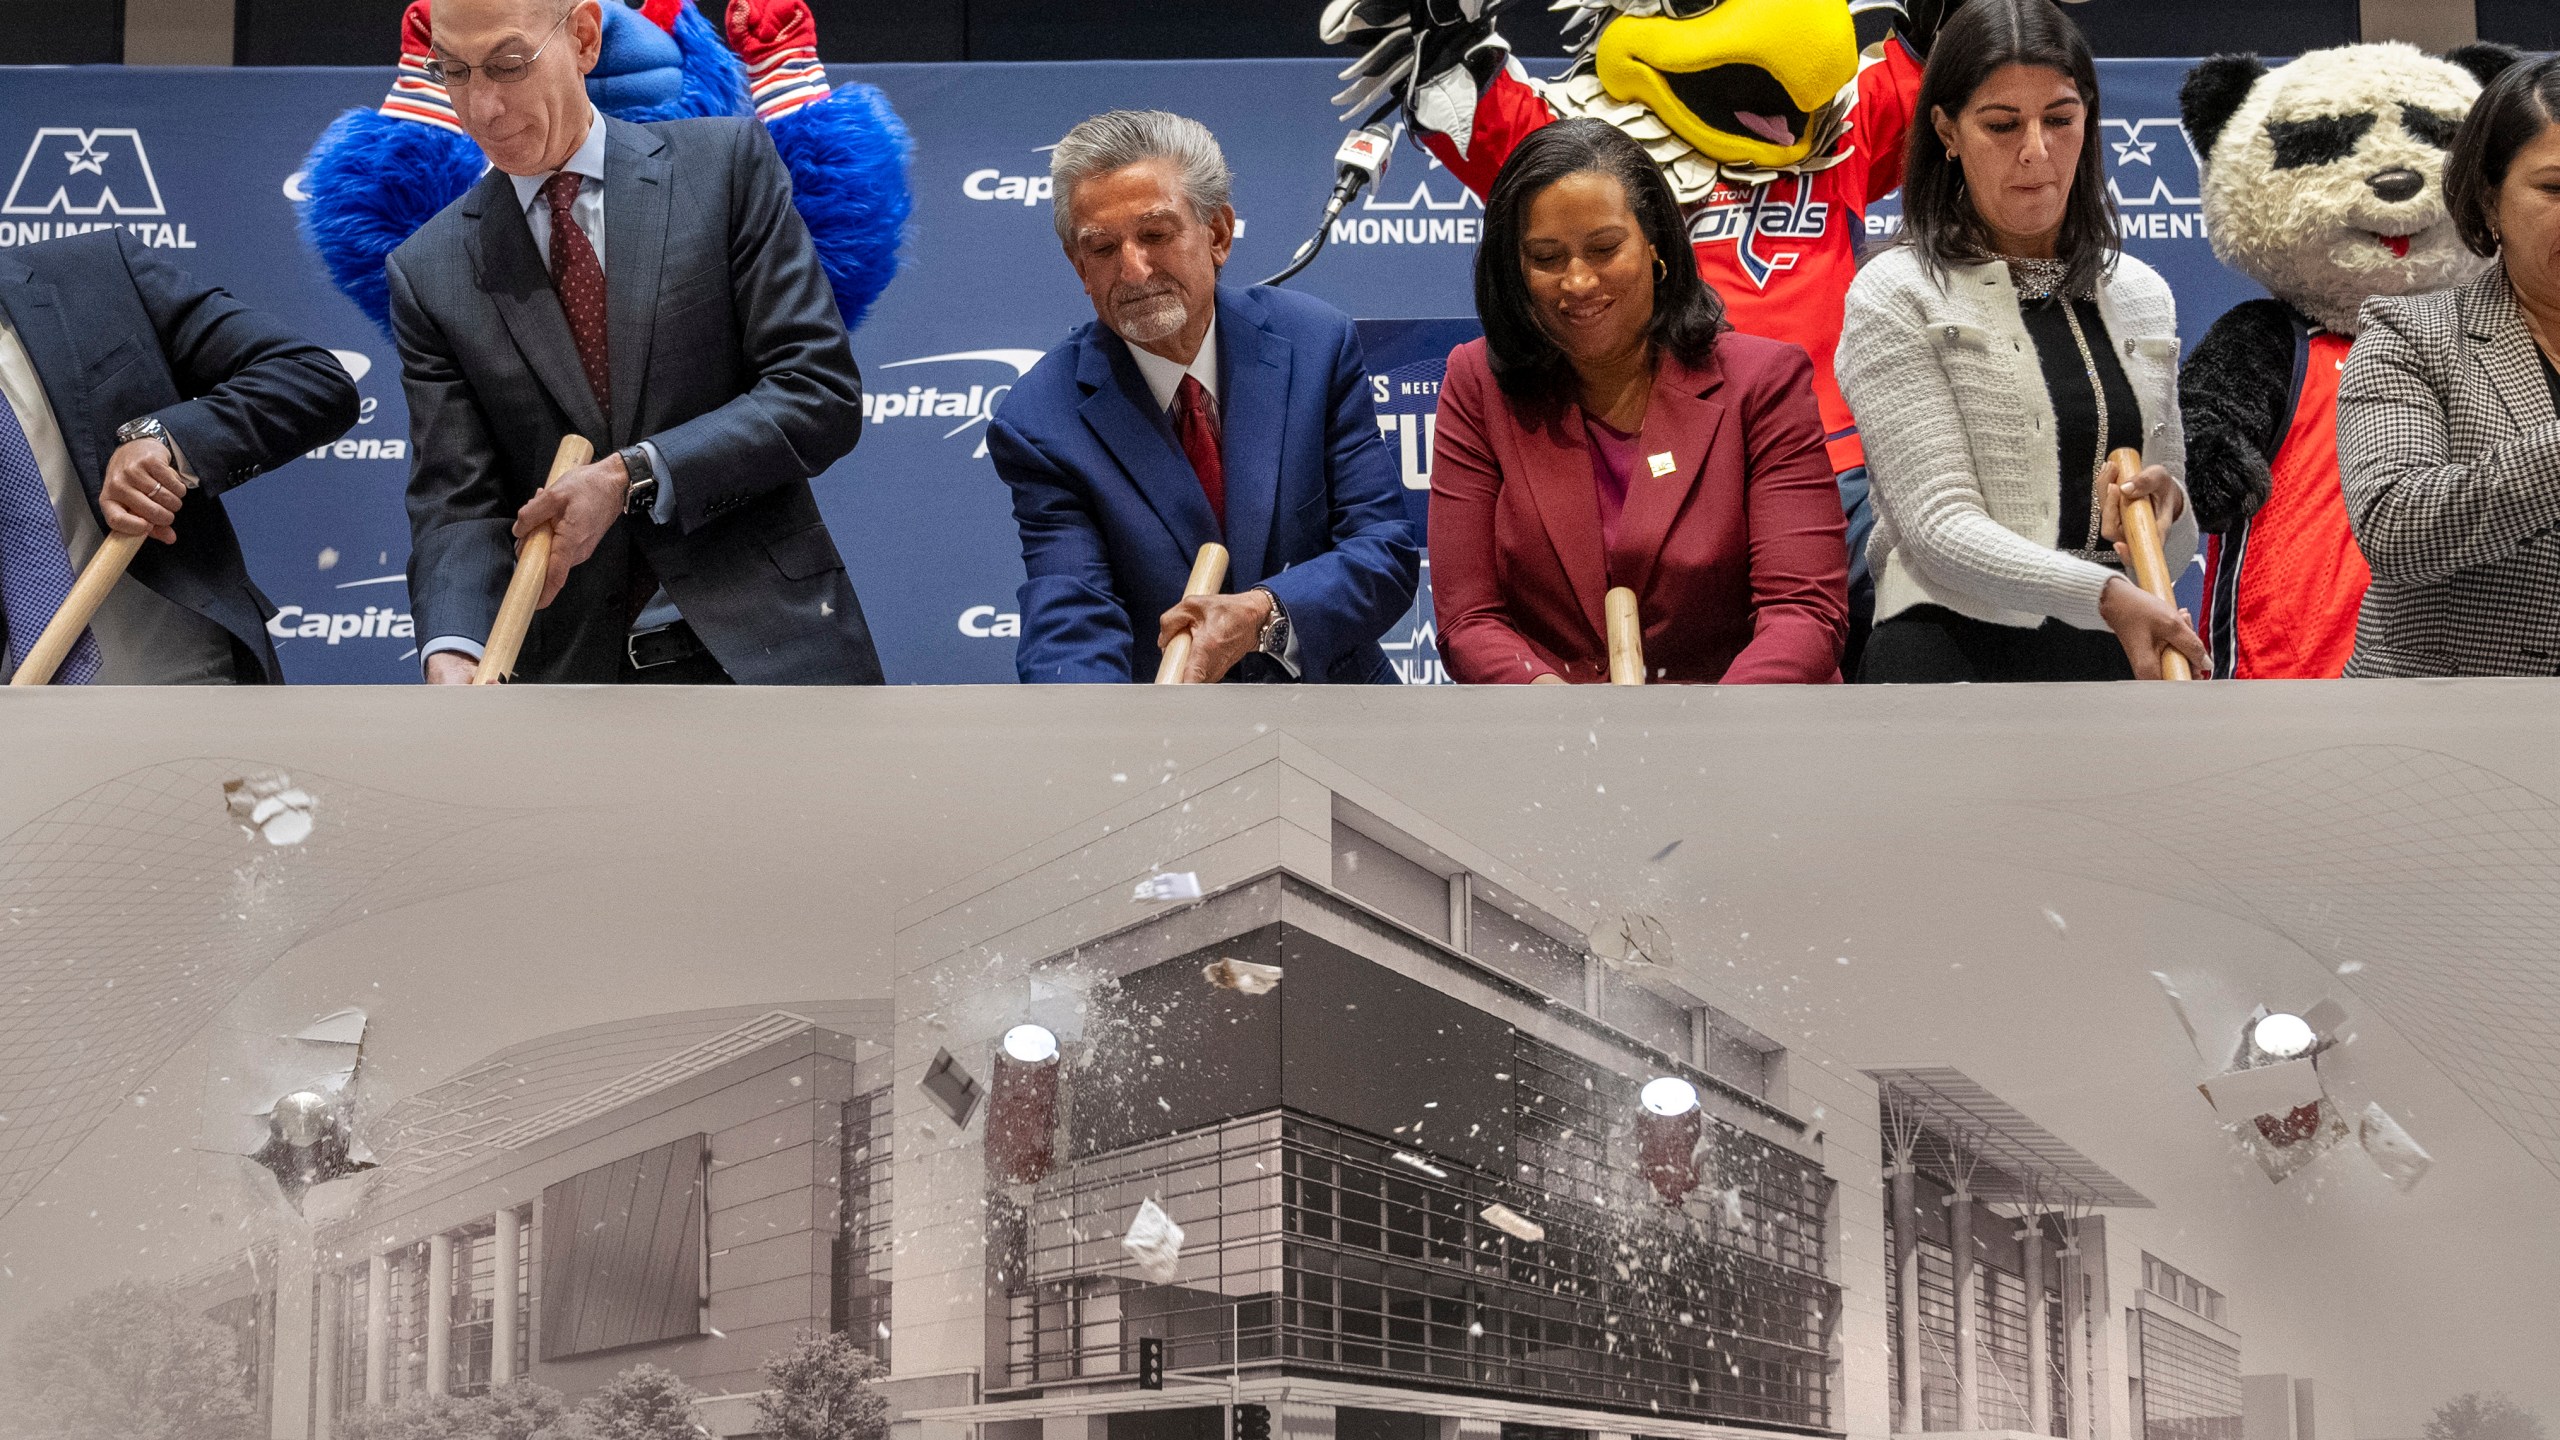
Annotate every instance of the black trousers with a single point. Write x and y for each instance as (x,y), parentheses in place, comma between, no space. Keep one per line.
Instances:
(1933,645)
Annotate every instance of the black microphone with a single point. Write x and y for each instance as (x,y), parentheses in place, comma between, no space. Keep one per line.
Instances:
(1356,165)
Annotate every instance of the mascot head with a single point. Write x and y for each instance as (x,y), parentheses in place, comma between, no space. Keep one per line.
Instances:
(377,175)
(2324,177)
(1753,85)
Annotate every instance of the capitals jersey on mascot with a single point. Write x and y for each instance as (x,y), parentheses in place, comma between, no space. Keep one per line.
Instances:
(377,175)
(1778,122)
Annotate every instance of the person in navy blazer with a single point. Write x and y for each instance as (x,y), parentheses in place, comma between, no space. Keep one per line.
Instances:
(1183,399)
(141,397)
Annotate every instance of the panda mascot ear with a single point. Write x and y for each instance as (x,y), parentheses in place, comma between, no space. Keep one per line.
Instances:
(2484,59)
(2213,93)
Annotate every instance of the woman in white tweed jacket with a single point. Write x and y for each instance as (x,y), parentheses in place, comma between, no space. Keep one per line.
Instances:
(1994,358)
(2449,418)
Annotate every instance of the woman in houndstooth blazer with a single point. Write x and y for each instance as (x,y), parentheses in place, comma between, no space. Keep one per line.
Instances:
(2449,418)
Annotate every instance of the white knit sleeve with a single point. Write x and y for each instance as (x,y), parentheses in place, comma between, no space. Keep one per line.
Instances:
(1920,462)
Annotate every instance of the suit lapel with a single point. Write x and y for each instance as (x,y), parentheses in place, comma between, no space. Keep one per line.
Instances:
(1253,385)
(1556,461)
(1684,421)
(35,312)
(519,285)
(1121,411)
(2507,349)
(635,233)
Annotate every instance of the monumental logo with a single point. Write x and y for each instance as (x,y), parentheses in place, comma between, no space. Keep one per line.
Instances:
(2152,171)
(1413,642)
(1434,210)
(72,181)
(990,378)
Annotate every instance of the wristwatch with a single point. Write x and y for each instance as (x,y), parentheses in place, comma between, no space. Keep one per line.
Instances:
(643,495)
(150,428)
(1274,639)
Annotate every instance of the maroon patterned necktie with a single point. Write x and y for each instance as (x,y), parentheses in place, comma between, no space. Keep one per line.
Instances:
(1195,421)
(578,277)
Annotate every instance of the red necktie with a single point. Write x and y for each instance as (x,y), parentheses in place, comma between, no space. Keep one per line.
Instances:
(578,278)
(1197,424)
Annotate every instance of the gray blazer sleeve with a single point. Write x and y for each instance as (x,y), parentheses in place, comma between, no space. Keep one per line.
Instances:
(2419,514)
(804,410)
(461,523)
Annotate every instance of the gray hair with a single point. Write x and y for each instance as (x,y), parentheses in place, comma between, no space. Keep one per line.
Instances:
(1117,139)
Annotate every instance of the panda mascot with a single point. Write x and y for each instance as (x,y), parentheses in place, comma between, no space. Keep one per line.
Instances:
(2323,182)
(1778,122)
(376,175)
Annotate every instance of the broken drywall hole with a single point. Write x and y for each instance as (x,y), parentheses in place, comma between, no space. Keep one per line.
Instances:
(270,806)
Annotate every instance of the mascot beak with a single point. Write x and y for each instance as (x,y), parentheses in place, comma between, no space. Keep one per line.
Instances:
(1743,82)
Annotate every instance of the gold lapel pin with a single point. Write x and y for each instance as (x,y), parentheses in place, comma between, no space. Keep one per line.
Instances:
(1662,464)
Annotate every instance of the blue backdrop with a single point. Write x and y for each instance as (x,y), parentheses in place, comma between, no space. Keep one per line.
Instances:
(204,163)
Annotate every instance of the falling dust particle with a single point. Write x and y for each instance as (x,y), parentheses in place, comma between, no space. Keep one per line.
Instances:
(1244,976)
(1180,885)
(1512,1223)
(1155,1243)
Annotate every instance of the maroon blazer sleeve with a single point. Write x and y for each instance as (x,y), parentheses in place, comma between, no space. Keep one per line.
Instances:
(1478,642)
(1799,537)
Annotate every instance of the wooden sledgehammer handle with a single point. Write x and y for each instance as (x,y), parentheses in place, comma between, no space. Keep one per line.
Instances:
(1626,637)
(2150,567)
(524,588)
(1208,574)
(63,631)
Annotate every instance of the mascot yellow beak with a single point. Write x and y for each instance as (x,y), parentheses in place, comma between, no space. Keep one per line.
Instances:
(1743,82)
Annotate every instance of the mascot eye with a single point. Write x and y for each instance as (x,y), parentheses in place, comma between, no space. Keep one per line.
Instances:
(2427,125)
(2319,141)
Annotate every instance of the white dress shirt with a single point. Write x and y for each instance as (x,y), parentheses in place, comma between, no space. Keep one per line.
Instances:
(1163,377)
(587,211)
(143,639)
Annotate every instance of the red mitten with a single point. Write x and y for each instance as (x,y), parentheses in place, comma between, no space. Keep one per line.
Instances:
(416,92)
(779,43)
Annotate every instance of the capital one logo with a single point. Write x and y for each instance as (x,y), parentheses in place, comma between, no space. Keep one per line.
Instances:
(967,398)
(69,171)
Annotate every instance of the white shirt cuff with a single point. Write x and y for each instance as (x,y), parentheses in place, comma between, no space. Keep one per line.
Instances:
(663,509)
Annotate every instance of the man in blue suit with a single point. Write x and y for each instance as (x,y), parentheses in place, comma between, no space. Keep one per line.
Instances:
(1192,412)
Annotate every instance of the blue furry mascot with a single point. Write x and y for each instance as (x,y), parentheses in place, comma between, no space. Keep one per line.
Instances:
(377,175)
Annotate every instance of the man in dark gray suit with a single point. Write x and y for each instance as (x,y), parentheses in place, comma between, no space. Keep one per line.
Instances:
(651,288)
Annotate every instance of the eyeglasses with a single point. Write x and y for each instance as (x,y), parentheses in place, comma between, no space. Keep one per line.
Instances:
(456,74)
